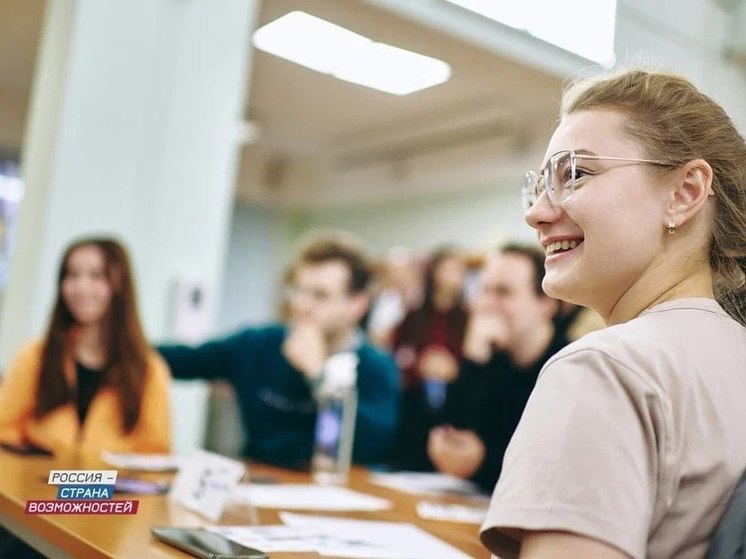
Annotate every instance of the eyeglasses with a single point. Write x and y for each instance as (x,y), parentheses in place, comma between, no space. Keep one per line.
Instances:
(317,295)
(563,172)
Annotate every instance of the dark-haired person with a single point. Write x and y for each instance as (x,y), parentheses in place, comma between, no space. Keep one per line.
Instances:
(92,383)
(511,334)
(427,347)
(275,368)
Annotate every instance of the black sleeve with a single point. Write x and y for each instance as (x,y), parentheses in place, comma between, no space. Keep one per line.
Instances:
(461,407)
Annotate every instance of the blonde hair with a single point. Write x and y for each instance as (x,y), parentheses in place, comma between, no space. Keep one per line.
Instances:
(677,123)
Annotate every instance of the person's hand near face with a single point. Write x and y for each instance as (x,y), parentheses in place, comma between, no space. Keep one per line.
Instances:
(437,363)
(305,348)
(486,330)
(323,315)
(456,452)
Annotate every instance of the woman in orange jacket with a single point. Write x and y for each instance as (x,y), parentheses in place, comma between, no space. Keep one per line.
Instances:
(92,383)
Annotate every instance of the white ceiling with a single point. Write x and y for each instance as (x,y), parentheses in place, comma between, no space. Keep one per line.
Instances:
(327,142)
(20,23)
(324,141)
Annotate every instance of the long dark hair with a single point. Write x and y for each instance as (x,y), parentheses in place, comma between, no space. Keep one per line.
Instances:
(126,347)
(416,325)
(434,262)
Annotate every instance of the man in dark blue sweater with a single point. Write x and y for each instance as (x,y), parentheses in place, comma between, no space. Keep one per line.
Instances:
(274,369)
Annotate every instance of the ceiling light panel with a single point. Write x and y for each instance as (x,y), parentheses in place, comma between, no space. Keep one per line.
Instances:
(330,49)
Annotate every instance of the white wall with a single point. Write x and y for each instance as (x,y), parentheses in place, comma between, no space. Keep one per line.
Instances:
(474,218)
(257,252)
(686,38)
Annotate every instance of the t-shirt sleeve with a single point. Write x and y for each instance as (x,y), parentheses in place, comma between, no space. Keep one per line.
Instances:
(584,459)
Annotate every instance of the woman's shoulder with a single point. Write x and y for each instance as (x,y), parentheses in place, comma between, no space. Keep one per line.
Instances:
(157,366)
(631,344)
(657,347)
(670,326)
(29,353)
(614,346)
(25,365)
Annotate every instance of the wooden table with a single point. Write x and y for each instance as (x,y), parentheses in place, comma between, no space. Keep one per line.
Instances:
(128,536)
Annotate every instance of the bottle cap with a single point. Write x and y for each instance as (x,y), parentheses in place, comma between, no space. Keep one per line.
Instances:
(341,369)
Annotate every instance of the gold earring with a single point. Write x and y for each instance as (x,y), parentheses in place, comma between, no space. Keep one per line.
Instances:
(671,227)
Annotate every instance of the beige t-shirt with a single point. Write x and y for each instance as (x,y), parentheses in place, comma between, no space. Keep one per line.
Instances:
(634,435)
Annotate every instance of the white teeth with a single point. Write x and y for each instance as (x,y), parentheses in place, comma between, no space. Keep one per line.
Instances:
(561,245)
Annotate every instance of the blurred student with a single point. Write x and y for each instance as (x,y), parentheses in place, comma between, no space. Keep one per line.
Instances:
(510,335)
(400,292)
(274,369)
(427,347)
(633,438)
(92,383)
(577,321)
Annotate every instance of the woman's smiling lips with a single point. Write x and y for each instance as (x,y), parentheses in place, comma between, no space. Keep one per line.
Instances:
(558,245)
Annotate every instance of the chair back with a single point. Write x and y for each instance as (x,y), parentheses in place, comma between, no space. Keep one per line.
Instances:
(729,541)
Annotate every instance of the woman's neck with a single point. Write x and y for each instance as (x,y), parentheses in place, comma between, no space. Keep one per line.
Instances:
(653,291)
(90,346)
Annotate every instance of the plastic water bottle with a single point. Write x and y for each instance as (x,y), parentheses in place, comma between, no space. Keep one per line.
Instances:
(336,399)
(435,394)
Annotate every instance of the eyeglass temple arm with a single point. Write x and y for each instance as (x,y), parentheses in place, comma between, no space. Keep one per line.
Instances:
(631,159)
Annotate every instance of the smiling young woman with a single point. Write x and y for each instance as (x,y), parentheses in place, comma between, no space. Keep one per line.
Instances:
(92,383)
(633,437)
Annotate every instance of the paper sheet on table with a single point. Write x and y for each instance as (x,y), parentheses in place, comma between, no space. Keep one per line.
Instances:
(143,462)
(341,537)
(270,539)
(425,483)
(308,496)
(451,513)
(373,539)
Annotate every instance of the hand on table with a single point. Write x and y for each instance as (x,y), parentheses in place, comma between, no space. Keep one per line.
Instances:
(455,451)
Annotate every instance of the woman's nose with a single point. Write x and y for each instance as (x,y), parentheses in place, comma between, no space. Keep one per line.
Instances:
(543,211)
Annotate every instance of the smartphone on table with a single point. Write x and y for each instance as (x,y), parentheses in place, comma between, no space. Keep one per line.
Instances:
(205,544)
(27,449)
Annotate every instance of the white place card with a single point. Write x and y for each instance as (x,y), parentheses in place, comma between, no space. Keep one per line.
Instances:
(206,482)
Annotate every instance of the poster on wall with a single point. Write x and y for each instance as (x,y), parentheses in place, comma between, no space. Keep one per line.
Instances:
(11,193)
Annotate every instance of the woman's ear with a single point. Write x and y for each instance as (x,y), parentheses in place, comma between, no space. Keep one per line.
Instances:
(691,192)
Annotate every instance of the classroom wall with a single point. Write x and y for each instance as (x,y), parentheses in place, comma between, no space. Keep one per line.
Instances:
(474,218)
(257,251)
